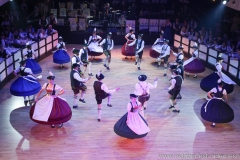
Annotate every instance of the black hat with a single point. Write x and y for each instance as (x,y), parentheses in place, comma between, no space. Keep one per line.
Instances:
(195,46)
(60,37)
(142,77)
(51,77)
(133,95)
(140,35)
(109,34)
(100,76)
(161,32)
(85,43)
(219,58)
(131,30)
(75,65)
(180,47)
(176,72)
(28,45)
(179,61)
(75,51)
(22,62)
(166,40)
(220,83)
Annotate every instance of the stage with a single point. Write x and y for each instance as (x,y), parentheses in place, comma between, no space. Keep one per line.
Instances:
(172,135)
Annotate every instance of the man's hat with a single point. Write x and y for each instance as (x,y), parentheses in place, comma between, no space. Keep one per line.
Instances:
(161,32)
(179,61)
(140,35)
(85,43)
(133,95)
(166,40)
(195,46)
(219,58)
(99,76)
(94,30)
(51,76)
(28,45)
(130,29)
(60,37)
(142,77)
(22,62)
(180,47)
(109,34)
(75,65)
(75,51)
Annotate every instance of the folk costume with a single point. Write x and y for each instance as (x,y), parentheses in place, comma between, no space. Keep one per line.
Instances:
(164,56)
(129,50)
(179,57)
(157,46)
(83,56)
(93,43)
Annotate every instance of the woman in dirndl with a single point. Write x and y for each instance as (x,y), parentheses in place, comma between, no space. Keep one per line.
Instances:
(26,85)
(194,64)
(132,124)
(129,50)
(156,49)
(51,109)
(216,110)
(61,56)
(93,44)
(210,81)
(30,60)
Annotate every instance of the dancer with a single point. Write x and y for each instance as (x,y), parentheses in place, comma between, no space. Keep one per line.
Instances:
(156,49)
(139,45)
(61,56)
(180,70)
(102,92)
(179,57)
(132,124)
(93,43)
(77,84)
(193,64)
(216,110)
(107,47)
(164,56)
(51,109)
(83,55)
(26,85)
(174,90)
(129,50)
(30,60)
(142,90)
(210,81)
(76,59)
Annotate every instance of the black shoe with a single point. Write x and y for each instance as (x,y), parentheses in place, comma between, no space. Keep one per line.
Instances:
(171,107)
(177,111)
(139,68)
(135,63)
(108,68)
(53,126)
(75,106)
(82,100)
(165,75)
(179,97)
(109,105)
(60,125)
(105,65)
(99,120)
(213,126)
(90,74)
(25,103)
(195,76)
(145,108)
(158,66)
(30,103)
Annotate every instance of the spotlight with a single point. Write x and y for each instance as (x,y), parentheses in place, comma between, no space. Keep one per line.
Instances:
(224,2)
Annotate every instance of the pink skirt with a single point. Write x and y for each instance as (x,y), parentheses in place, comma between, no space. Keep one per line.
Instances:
(128,50)
(153,53)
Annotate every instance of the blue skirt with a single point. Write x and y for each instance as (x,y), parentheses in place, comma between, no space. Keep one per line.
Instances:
(121,128)
(61,57)
(210,82)
(217,111)
(22,87)
(33,65)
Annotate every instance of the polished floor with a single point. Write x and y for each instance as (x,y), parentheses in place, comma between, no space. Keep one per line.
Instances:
(173,136)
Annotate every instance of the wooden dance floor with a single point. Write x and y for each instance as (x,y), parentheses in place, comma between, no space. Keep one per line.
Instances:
(173,136)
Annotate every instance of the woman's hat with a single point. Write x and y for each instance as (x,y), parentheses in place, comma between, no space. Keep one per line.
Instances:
(130,29)
(51,76)
(133,95)
(142,77)
(220,82)
(99,76)
(75,65)
(60,37)
(180,47)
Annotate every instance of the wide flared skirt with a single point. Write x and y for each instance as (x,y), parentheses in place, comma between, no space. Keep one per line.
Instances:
(25,86)
(61,57)
(217,111)
(61,112)
(128,50)
(93,53)
(34,66)
(94,46)
(195,66)
(121,128)
(153,53)
(210,82)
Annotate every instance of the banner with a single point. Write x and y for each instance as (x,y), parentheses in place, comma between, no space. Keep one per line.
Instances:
(130,23)
(62,12)
(153,25)
(54,11)
(82,24)
(73,24)
(143,23)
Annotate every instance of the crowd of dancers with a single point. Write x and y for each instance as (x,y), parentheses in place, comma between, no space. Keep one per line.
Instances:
(53,110)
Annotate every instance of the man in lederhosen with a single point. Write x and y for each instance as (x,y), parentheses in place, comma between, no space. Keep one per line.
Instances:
(76,59)
(139,45)
(83,55)
(164,56)
(77,84)
(180,70)
(174,90)
(142,90)
(107,45)
(179,57)
(102,92)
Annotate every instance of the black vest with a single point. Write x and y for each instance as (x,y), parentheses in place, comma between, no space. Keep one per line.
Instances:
(179,54)
(53,91)
(74,82)
(178,82)
(216,66)
(129,37)
(29,55)
(61,45)
(218,94)
(180,67)
(132,109)
(105,45)
(193,55)
(136,43)
(97,88)
(164,49)
(22,73)
(84,55)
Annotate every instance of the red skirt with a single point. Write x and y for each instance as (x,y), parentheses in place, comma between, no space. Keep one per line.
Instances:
(61,112)
(128,50)
(153,53)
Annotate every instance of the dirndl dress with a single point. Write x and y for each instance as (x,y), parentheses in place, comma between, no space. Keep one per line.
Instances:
(128,50)
(131,125)
(193,65)
(61,57)
(49,110)
(33,65)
